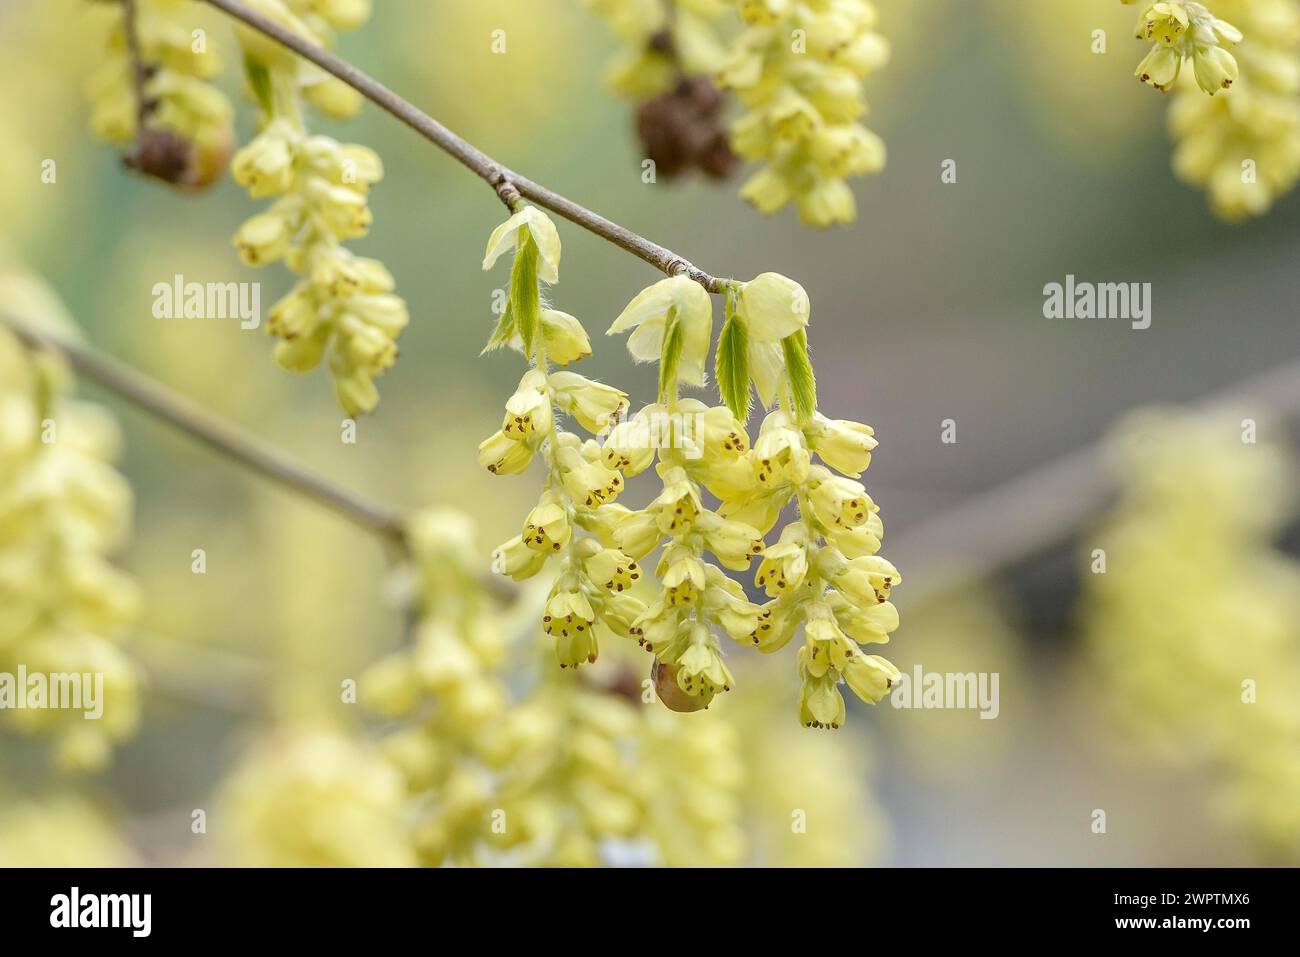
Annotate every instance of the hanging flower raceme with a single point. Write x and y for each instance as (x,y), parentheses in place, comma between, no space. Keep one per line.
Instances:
(1243,148)
(63,510)
(1180,31)
(343,308)
(187,136)
(589,598)
(823,574)
(799,67)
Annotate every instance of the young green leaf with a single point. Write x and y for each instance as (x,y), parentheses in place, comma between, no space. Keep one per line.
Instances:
(731,366)
(525,301)
(803,385)
(505,328)
(259,81)
(671,359)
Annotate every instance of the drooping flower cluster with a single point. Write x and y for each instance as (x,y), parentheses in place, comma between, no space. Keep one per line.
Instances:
(798,68)
(1180,31)
(187,135)
(343,308)
(590,598)
(823,573)
(63,511)
(1193,619)
(1243,149)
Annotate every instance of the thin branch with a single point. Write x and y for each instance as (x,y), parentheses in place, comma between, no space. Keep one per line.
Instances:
(139,72)
(1036,510)
(216,433)
(509,185)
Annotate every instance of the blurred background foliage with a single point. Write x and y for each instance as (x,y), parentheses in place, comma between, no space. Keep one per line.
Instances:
(929,308)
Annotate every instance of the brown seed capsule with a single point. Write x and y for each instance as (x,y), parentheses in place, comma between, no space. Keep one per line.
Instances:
(670,694)
(682,130)
(173,159)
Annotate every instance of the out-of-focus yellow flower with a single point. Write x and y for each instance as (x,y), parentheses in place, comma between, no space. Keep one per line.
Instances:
(343,309)
(313,798)
(1193,619)
(58,830)
(63,510)
(799,69)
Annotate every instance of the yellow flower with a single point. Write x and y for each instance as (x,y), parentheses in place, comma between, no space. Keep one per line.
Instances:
(630,446)
(784,564)
(547,528)
(798,69)
(838,502)
(588,483)
(734,543)
(569,618)
(682,575)
(657,627)
(678,504)
(870,676)
(265,238)
(773,306)
(528,410)
(265,166)
(543,232)
(844,446)
(563,337)
(677,301)
(1182,31)
(517,560)
(502,455)
(820,703)
(865,581)
(595,405)
(637,533)
(612,569)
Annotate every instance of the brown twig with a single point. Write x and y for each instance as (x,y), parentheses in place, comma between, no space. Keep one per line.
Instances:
(216,433)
